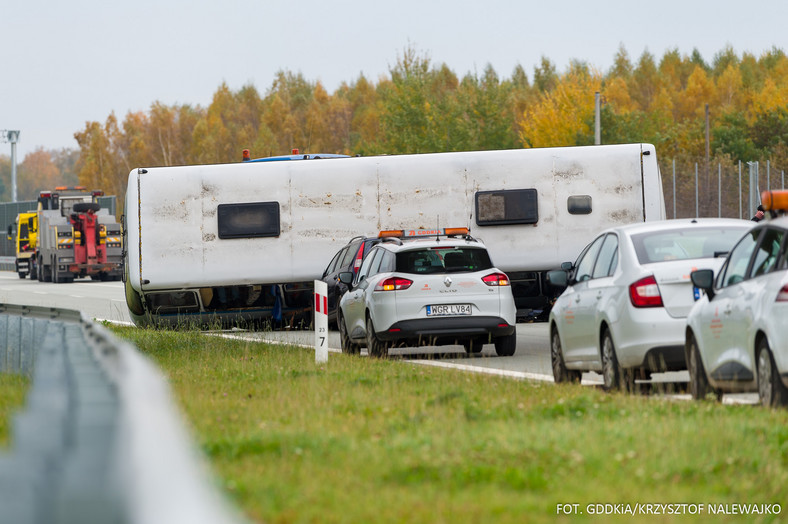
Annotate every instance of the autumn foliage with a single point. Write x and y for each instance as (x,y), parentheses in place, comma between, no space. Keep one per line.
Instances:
(422,107)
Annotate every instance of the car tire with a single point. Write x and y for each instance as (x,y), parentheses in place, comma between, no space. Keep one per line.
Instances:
(771,391)
(560,372)
(506,345)
(344,339)
(615,377)
(375,346)
(473,346)
(699,386)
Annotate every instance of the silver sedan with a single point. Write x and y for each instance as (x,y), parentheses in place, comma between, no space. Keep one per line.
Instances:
(623,312)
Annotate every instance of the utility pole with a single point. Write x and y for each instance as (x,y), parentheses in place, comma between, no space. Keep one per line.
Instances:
(13,137)
(597,119)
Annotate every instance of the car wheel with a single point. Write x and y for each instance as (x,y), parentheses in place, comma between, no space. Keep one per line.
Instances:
(506,345)
(344,339)
(560,373)
(375,346)
(615,377)
(473,346)
(771,391)
(699,383)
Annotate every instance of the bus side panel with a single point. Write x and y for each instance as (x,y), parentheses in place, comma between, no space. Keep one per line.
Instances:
(323,203)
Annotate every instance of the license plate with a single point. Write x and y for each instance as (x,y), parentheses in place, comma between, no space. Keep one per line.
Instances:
(448,309)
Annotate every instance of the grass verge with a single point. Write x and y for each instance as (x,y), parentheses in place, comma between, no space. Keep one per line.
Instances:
(367,440)
(13,389)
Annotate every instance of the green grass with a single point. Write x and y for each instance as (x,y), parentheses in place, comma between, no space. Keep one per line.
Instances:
(13,389)
(366,440)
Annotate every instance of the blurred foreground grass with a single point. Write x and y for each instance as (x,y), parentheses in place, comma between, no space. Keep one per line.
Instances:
(13,389)
(368,440)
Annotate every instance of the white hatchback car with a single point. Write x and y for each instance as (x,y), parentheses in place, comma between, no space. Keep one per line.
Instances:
(422,288)
(624,308)
(737,333)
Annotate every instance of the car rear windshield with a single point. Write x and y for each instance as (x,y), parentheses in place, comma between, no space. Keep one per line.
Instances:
(443,260)
(683,244)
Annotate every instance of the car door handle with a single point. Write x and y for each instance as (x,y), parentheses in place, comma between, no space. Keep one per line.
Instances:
(727,310)
(599,296)
(577,299)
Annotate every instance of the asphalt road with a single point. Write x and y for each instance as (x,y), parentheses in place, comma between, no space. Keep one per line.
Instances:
(105,301)
(98,300)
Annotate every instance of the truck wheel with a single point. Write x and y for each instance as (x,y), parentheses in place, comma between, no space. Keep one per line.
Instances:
(21,274)
(46,271)
(83,207)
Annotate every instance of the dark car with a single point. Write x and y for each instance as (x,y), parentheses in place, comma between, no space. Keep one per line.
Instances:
(347,259)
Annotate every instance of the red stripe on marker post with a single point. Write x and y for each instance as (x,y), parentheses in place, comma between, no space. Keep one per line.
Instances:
(321,322)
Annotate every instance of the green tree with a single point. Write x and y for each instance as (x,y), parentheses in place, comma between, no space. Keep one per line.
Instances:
(419,116)
(731,136)
(488,112)
(770,130)
(645,83)
(5,178)
(545,76)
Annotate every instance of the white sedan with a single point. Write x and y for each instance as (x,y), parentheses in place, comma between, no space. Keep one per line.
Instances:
(624,309)
(737,333)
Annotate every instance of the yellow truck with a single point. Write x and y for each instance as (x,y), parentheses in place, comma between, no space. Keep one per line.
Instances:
(24,233)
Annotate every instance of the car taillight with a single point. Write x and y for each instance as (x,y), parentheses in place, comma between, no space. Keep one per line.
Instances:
(359,258)
(496,279)
(645,293)
(782,296)
(393,284)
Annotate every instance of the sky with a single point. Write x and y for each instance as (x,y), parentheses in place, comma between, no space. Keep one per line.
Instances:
(63,64)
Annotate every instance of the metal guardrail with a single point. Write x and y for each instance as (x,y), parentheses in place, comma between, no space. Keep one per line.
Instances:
(100,439)
(7,264)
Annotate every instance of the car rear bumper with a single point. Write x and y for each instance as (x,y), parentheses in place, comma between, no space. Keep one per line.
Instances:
(449,330)
(647,336)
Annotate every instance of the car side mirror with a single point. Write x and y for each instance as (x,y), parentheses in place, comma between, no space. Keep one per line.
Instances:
(704,279)
(566,266)
(558,278)
(346,277)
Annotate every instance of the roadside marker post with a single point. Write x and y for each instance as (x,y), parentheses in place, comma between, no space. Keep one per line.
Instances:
(321,322)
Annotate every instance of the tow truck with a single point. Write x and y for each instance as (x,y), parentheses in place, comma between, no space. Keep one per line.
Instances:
(77,237)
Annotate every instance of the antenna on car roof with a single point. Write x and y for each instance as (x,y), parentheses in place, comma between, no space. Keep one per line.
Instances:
(438,229)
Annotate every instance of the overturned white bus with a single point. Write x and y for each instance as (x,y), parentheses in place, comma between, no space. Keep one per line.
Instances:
(244,241)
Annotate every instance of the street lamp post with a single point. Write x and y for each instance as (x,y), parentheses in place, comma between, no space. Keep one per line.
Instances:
(13,137)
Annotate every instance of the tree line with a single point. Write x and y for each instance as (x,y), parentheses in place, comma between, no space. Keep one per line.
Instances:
(424,107)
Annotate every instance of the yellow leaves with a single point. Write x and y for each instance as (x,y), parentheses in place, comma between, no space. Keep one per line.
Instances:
(771,97)
(729,88)
(561,115)
(616,94)
(691,102)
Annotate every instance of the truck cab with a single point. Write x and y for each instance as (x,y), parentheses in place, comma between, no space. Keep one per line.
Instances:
(23,233)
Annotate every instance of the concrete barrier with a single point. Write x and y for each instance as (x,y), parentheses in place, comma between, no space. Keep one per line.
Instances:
(99,439)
